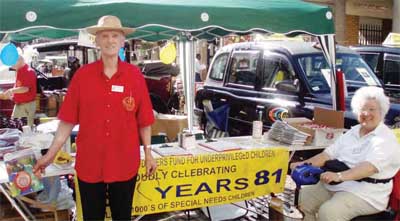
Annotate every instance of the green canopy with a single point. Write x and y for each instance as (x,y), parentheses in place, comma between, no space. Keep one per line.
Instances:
(24,20)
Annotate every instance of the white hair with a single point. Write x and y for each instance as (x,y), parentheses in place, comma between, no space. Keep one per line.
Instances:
(370,93)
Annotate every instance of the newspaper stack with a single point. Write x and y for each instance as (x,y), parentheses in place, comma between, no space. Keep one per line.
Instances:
(283,132)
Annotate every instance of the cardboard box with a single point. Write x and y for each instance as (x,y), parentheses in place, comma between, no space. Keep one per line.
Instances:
(321,136)
(170,125)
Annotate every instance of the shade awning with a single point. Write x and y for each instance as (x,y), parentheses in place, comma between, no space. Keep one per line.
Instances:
(155,20)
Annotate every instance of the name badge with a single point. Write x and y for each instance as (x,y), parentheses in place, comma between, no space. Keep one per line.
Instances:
(117,88)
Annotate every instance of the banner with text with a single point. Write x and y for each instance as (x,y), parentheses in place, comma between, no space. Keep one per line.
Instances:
(186,182)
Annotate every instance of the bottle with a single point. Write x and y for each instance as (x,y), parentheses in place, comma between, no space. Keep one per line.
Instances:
(258,124)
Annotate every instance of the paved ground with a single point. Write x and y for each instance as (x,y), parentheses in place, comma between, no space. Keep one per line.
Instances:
(198,215)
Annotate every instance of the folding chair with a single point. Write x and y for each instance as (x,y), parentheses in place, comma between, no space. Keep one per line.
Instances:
(217,122)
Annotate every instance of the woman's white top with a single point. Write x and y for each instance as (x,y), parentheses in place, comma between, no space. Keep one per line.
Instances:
(381,149)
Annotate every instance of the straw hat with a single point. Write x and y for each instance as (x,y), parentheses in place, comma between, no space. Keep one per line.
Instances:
(108,23)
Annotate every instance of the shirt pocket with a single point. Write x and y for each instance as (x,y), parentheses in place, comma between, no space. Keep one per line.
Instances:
(358,149)
(128,101)
(128,104)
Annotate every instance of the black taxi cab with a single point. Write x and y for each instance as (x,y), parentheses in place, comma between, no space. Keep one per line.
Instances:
(280,79)
(385,62)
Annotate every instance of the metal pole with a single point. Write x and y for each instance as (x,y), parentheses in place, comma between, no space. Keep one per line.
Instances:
(187,63)
(190,60)
(327,43)
(13,203)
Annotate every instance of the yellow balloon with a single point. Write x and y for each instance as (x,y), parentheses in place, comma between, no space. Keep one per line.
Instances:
(168,53)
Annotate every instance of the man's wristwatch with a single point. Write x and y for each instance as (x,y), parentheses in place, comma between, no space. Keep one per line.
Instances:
(340,176)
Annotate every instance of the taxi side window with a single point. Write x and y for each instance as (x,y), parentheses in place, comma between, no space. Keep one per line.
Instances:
(218,67)
(276,69)
(371,59)
(242,68)
(391,69)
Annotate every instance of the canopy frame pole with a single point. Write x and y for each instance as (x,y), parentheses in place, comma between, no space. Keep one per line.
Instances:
(187,63)
(4,37)
(151,33)
(328,47)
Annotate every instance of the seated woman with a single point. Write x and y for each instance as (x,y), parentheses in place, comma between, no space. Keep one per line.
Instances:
(370,150)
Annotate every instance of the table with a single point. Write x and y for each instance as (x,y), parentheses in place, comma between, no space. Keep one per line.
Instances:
(246,143)
(292,148)
(275,143)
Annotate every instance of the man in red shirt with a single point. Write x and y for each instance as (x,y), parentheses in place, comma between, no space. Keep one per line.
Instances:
(110,102)
(24,91)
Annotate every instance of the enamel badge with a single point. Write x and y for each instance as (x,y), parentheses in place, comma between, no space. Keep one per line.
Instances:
(129,103)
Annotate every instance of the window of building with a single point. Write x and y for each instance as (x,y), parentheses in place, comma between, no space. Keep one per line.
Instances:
(370,31)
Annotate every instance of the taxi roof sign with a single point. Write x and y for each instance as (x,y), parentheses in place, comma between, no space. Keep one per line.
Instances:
(393,39)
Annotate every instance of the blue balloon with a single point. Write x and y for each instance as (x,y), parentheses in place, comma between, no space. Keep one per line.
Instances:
(121,54)
(9,55)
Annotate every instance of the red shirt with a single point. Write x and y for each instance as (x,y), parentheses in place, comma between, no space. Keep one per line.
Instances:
(109,113)
(26,77)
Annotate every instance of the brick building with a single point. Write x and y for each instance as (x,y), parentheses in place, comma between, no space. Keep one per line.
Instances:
(364,21)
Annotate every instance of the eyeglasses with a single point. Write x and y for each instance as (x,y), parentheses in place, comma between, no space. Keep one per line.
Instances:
(369,109)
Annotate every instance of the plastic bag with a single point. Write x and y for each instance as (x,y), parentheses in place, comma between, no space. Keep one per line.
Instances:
(19,167)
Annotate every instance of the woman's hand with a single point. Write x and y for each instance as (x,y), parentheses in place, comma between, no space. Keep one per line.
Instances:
(329,177)
(151,164)
(295,164)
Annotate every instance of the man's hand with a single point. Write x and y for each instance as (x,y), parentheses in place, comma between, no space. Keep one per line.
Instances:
(151,164)
(9,93)
(5,95)
(41,164)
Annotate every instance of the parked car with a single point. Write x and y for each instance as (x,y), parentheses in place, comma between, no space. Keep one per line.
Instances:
(281,79)
(385,62)
(165,89)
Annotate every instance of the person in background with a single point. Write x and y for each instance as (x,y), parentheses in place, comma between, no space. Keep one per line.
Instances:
(24,91)
(42,68)
(371,152)
(73,66)
(200,69)
(114,113)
